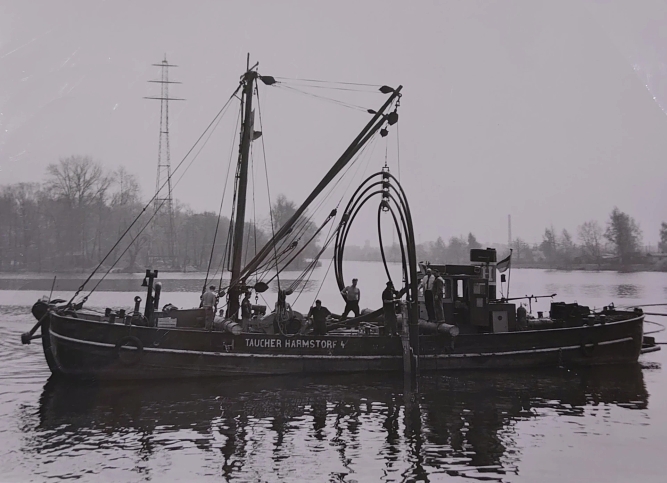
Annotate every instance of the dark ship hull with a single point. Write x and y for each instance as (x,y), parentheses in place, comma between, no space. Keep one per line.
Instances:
(88,346)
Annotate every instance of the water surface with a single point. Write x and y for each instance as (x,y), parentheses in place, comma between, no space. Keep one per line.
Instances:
(602,424)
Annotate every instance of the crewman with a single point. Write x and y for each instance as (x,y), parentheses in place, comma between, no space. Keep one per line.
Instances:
(246,312)
(438,295)
(352,295)
(208,301)
(389,308)
(319,314)
(427,284)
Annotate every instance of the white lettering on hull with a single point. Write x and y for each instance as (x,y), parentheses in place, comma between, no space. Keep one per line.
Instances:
(294,343)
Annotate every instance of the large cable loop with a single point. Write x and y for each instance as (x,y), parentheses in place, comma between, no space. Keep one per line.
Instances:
(394,202)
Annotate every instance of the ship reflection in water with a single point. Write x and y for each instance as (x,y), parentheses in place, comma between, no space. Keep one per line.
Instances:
(352,428)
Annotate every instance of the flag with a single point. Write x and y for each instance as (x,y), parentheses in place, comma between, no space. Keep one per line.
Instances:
(504,264)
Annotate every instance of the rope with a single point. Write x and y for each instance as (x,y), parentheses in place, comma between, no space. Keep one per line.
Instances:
(222,200)
(268,190)
(322,284)
(324,98)
(336,88)
(315,260)
(329,82)
(221,267)
(307,243)
(301,225)
(152,216)
(216,118)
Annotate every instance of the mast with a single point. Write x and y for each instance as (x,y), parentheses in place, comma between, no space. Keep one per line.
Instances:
(242,185)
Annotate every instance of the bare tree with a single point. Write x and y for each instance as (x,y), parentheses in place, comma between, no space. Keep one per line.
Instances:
(82,185)
(127,188)
(522,250)
(303,229)
(590,236)
(549,246)
(79,179)
(567,248)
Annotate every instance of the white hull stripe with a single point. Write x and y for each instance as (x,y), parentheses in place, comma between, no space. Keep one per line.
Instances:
(352,357)
(527,351)
(541,331)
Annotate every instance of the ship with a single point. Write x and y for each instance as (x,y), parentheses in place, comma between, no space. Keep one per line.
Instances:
(478,329)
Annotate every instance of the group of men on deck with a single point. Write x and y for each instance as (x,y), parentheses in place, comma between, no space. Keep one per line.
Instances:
(352,295)
(209,301)
(432,284)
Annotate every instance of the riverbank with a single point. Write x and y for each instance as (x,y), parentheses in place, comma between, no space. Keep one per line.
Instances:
(593,267)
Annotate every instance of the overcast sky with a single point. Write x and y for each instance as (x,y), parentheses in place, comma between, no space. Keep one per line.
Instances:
(548,111)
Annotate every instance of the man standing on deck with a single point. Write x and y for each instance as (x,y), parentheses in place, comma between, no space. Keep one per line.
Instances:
(352,295)
(208,302)
(246,312)
(438,295)
(427,284)
(319,315)
(389,308)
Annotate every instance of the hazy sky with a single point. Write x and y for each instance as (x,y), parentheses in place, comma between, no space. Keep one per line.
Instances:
(541,110)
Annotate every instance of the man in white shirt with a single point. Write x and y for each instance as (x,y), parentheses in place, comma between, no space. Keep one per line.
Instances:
(352,294)
(426,283)
(208,302)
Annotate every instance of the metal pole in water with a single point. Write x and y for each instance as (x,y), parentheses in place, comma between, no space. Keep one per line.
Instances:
(405,341)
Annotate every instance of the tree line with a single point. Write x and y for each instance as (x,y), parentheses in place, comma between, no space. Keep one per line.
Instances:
(75,217)
(618,243)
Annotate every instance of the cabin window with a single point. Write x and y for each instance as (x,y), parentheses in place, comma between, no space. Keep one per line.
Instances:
(459,288)
(479,289)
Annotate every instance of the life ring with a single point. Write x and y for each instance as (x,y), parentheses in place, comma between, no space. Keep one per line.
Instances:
(588,347)
(129,358)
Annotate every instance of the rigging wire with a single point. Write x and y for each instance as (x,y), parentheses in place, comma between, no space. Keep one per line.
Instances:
(232,220)
(218,115)
(359,161)
(153,215)
(305,220)
(367,91)
(398,152)
(328,82)
(324,98)
(306,274)
(222,200)
(323,279)
(367,132)
(307,243)
(254,209)
(268,189)
(252,174)
(314,263)
(221,266)
(301,225)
